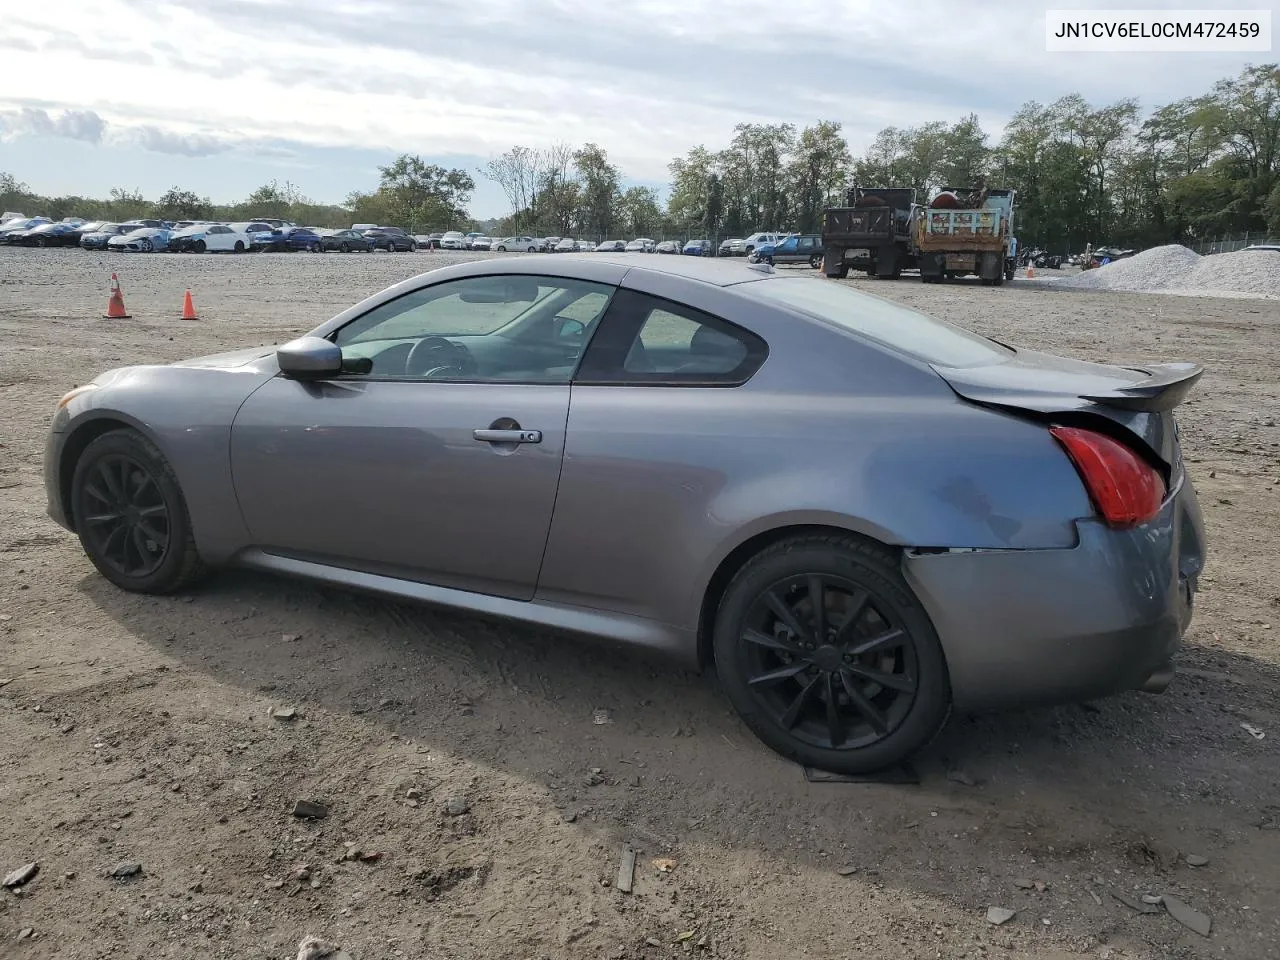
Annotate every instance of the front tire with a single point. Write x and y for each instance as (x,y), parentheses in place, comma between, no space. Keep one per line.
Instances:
(317,247)
(239,246)
(198,246)
(131,516)
(145,245)
(828,656)
(344,247)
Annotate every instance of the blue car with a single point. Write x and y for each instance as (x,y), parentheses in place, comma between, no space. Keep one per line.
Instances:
(289,239)
(697,248)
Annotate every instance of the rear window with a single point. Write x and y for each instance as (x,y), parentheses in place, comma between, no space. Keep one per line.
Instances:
(896,326)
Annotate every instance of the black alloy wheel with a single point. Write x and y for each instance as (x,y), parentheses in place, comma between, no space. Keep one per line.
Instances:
(127,520)
(344,247)
(130,515)
(829,658)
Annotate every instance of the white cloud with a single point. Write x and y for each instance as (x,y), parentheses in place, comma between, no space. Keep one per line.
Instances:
(646,79)
(72,124)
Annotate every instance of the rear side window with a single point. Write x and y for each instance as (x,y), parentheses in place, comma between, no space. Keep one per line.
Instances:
(646,340)
(901,328)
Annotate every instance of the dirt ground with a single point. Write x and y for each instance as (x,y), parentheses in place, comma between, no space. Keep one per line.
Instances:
(138,730)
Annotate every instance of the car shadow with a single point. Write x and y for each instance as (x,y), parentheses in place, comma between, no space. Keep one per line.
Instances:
(653,754)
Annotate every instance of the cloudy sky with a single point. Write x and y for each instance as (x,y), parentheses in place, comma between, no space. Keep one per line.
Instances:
(220,97)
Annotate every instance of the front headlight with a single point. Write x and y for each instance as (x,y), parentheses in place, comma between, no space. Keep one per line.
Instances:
(72,394)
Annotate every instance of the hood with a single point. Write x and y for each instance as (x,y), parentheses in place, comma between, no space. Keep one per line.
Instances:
(228,360)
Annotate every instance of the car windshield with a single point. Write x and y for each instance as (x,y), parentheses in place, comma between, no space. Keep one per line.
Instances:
(896,326)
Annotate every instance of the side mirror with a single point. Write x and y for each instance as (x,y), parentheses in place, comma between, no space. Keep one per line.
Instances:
(309,358)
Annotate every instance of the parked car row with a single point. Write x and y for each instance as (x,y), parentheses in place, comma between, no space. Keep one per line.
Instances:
(190,236)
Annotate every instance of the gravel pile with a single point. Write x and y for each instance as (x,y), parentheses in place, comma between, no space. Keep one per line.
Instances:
(1177,270)
(1245,273)
(1151,271)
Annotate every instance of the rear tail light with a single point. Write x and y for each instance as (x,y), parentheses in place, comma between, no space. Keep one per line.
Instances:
(1124,488)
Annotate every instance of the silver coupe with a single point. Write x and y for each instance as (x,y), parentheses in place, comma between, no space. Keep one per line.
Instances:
(858,515)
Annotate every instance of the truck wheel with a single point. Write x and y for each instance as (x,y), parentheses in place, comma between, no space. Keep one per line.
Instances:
(839,273)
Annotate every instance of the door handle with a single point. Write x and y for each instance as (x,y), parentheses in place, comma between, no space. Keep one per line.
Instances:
(507,436)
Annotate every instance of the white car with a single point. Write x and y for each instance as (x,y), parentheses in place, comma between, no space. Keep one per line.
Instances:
(641,245)
(524,244)
(452,240)
(583,246)
(218,237)
(742,248)
(141,240)
(260,230)
(481,243)
(611,246)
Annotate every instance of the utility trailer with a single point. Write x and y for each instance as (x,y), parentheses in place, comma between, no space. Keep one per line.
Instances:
(965,231)
(872,233)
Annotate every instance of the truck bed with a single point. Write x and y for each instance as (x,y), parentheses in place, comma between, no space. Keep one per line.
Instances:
(977,230)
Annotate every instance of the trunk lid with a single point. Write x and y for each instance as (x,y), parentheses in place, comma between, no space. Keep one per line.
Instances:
(1136,401)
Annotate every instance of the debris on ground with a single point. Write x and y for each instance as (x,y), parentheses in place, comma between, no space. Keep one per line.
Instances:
(1255,732)
(455,807)
(1196,860)
(24,874)
(1024,883)
(665,864)
(627,870)
(1152,898)
(129,868)
(1000,915)
(847,871)
(653,942)
(1133,903)
(311,809)
(959,776)
(26,933)
(1188,916)
(285,713)
(313,948)
(601,717)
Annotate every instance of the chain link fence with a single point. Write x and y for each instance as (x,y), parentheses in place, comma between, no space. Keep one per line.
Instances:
(1232,244)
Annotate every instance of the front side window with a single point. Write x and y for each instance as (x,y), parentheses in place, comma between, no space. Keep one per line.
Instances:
(514,328)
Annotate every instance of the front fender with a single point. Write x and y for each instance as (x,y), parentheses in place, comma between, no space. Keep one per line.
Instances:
(187,413)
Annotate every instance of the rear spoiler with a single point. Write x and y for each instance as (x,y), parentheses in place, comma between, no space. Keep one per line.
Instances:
(1166,386)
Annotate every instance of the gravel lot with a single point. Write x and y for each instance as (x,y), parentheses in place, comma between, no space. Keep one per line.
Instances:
(138,729)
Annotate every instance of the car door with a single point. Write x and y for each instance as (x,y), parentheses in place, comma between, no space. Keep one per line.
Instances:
(218,237)
(441,463)
(652,418)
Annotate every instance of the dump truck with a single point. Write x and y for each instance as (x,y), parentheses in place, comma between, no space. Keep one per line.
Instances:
(964,231)
(872,232)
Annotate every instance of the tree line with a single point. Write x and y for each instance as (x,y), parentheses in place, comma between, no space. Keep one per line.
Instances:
(1197,168)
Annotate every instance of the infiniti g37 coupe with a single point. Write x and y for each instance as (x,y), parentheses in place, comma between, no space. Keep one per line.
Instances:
(855,514)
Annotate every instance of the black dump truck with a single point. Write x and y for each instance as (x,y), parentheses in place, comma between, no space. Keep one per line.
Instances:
(873,232)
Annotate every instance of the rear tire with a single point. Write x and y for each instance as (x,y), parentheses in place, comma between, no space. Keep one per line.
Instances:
(198,246)
(344,247)
(413,246)
(239,246)
(317,247)
(146,546)
(815,262)
(856,689)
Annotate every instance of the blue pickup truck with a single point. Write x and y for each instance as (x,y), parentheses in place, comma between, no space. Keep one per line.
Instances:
(797,248)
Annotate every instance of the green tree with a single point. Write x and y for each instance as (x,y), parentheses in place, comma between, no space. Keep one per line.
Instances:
(178,204)
(817,173)
(598,191)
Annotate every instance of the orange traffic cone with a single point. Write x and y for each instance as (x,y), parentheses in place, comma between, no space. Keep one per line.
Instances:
(188,308)
(1030,272)
(115,306)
